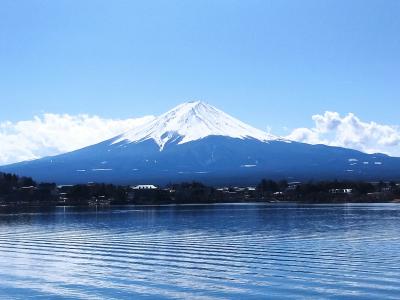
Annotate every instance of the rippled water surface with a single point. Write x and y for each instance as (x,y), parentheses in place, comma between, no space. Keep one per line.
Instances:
(203,252)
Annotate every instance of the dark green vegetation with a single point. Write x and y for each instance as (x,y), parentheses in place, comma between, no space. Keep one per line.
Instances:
(16,190)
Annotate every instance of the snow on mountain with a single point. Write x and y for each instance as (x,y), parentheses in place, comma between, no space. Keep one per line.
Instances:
(192,121)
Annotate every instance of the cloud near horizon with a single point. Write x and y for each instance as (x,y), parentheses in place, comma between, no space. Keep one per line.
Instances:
(350,132)
(52,134)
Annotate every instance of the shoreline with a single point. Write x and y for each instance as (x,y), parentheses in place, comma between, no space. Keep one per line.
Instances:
(43,206)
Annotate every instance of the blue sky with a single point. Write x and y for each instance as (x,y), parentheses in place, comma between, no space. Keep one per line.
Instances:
(269,63)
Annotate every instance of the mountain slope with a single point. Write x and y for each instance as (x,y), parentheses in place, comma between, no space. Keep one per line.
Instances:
(195,141)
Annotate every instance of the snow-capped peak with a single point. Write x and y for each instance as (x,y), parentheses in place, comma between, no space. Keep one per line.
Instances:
(192,121)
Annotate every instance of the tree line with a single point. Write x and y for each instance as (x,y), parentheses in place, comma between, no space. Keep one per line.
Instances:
(15,190)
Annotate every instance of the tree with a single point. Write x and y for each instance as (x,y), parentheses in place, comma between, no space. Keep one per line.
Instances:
(269,186)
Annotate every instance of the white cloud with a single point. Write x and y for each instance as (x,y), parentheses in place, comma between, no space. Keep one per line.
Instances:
(52,134)
(350,132)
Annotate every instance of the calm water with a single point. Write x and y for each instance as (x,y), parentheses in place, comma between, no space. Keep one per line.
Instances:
(203,252)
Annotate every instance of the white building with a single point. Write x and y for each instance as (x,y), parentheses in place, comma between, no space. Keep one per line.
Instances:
(144,187)
(341,191)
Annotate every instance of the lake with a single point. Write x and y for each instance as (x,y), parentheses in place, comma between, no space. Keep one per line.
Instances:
(242,251)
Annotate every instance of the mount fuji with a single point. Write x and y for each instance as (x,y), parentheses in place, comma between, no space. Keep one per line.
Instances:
(196,141)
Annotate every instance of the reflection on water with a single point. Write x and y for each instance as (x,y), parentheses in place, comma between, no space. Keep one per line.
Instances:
(202,252)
